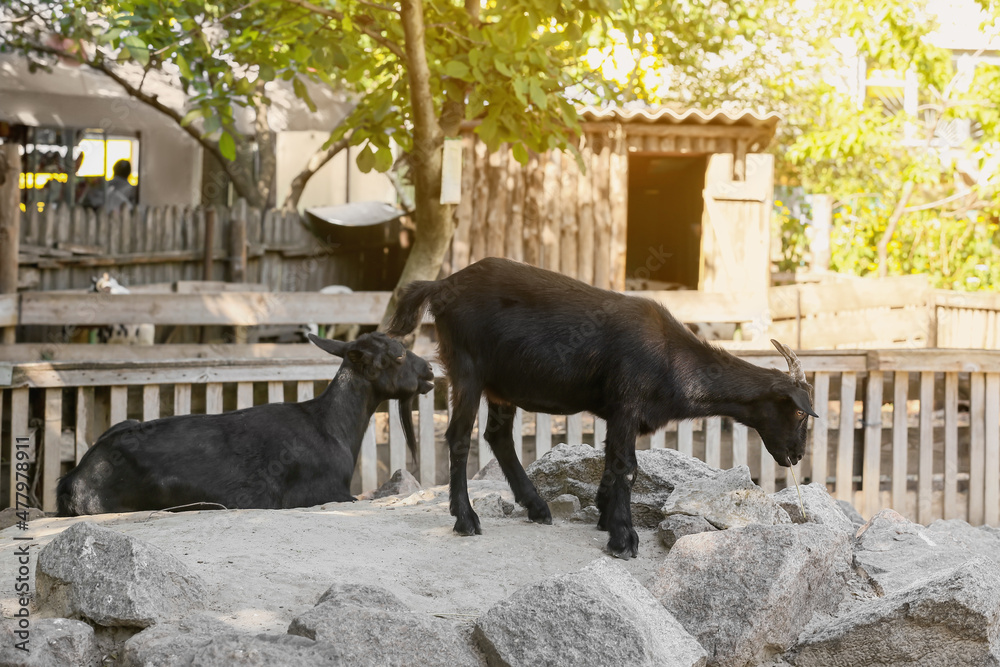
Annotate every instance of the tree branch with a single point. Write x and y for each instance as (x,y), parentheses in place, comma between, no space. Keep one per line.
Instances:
(316,162)
(329,13)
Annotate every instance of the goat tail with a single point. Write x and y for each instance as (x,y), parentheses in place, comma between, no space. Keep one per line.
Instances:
(411,306)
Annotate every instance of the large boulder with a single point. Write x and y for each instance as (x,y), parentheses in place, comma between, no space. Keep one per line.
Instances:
(51,642)
(677,526)
(728,499)
(203,641)
(94,573)
(819,505)
(747,593)
(950,619)
(893,552)
(365,625)
(401,483)
(578,469)
(598,616)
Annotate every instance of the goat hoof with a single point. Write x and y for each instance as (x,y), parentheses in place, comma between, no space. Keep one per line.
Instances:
(625,545)
(468,525)
(541,515)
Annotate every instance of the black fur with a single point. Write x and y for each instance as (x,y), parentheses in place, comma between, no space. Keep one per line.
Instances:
(538,340)
(271,456)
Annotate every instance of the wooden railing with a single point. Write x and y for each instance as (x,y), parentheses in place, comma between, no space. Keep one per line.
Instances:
(916,430)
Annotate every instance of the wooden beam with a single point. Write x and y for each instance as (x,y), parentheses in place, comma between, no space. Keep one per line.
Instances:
(8,312)
(10,229)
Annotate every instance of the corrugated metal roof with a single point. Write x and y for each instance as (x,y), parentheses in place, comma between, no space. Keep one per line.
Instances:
(668,116)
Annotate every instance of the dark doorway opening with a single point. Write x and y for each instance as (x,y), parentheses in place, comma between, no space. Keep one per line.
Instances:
(665,207)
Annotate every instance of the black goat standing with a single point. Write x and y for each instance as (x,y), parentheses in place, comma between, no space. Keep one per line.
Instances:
(271,456)
(544,342)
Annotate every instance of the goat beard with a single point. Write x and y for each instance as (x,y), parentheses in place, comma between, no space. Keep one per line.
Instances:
(406,419)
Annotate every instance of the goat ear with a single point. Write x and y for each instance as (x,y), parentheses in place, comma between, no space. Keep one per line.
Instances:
(359,357)
(800,397)
(334,347)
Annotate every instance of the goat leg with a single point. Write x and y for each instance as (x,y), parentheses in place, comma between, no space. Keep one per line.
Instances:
(500,436)
(458,435)
(614,498)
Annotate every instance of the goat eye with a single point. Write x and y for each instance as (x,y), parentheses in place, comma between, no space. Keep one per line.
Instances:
(800,414)
(400,358)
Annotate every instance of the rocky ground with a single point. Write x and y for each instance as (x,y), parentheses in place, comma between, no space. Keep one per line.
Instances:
(747,580)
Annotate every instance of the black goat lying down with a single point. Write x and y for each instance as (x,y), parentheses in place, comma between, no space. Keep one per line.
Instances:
(538,340)
(271,456)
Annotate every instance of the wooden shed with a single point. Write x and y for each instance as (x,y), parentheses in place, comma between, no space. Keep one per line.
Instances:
(666,200)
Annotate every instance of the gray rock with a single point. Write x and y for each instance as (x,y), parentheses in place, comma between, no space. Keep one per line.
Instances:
(377,632)
(94,573)
(565,506)
(589,514)
(51,642)
(677,526)
(11,515)
(853,515)
(728,499)
(893,552)
(205,642)
(952,619)
(492,505)
(491,471)
(820,507)
(598,616)
(577,470)
(747,593)
(362,595)
(402,483)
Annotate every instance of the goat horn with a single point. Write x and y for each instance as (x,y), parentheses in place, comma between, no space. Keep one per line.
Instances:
(794,365)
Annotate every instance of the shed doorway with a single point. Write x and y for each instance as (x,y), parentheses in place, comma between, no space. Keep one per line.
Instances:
(665,208)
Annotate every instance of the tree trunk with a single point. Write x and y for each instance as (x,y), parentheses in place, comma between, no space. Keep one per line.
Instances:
(10,220)
(434,221)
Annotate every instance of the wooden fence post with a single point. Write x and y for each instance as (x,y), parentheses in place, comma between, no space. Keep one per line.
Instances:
(209,242)
(10,222)
(238,243)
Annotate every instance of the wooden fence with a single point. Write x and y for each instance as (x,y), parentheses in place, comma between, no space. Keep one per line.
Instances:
(62,248)
(916,430)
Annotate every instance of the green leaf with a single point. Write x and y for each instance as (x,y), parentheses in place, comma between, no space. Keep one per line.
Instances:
(383,160)
(303,93)
(502,66)
(538,97)
(212,123)
(227,146)
(190,116)
(182,63)
(457,69)
(366,159)
(137,49)
(520,153)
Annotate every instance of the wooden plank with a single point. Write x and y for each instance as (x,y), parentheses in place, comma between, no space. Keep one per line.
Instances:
(925,481)
(234,308)
(496,217)
(569,225)
(871,474)
(52,448)
(685,437)
(992,454)
(855,327)
(119,404)
(713,441)
(658,439)
(766,480)
(844,486)
(425,440)
(534,209)
(821,425)
(182,399)
(602,214)
(739,444)
(514,238)
(19,413)
(244,395)
(84,419)
(369,458)
(856,294)
(543,434)
(481,205)
(951,509)
(460,249)
(574,429)
(900,442)
(213,398)
(303,391)
(553,213)
(397,440)
(601,432)
(977,448)
(694,306)
(585,218)
(276,392)
(79,352)
(150,402)
(518,434)
(8,310)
